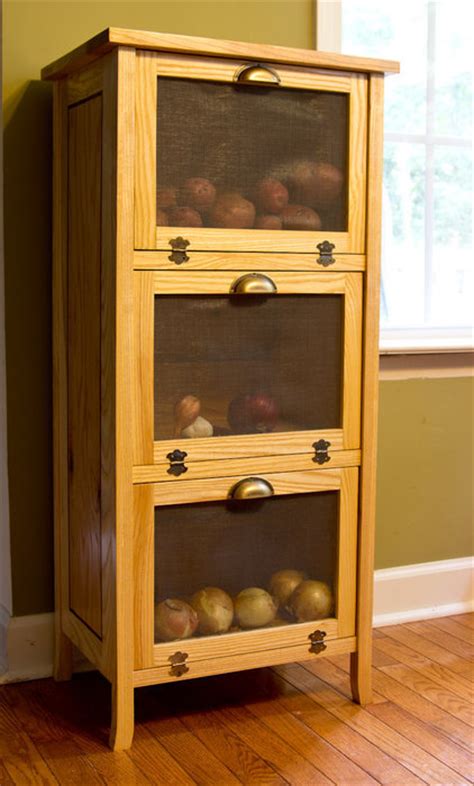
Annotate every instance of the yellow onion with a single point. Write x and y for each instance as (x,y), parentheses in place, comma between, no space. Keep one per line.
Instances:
(215,610)
(174,619)
(185,413)
(283,583)
(311,600)
(254,607)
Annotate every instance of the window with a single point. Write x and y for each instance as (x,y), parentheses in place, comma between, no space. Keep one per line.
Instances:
(427,254)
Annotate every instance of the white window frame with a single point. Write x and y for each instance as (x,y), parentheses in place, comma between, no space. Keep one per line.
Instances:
(328,37)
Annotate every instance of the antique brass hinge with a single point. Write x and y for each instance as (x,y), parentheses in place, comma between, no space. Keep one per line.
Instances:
(178,665)
(178,254)
(176,460)
(325,253)
(321,451)
(317,641)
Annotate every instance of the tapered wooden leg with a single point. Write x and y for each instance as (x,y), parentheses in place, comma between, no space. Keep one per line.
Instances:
(123,716)
(62,668)
(361,676)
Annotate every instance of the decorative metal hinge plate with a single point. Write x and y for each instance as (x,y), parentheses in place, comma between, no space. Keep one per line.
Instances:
(176,460)
(321,451)
(178,665)
(325,253)
(178,254)
(317,641)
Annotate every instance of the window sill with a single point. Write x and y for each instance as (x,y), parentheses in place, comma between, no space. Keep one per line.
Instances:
(425,364)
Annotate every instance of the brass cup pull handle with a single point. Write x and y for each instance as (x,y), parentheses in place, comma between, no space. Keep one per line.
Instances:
(251,488)
(253,284)
(257,74)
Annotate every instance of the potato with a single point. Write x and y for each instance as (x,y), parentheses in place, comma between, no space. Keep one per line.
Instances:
(268,222)
(161,218)
(166,197)
(184,217)
(271,196)
(315,184)
(197,192)
(232,211)
(300,217)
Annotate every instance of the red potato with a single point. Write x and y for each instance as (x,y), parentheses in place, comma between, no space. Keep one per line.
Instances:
(300,217)
(166,197)
(197,192)
(161,218)
(315,184)
(232,211)
(271,196)
(184,217)
(268,222)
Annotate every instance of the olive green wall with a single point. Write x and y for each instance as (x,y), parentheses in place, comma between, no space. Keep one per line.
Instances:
(420,517)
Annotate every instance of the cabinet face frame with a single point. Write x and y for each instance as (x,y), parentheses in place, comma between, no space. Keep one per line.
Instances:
(257,643)
(147,451)
(152,65)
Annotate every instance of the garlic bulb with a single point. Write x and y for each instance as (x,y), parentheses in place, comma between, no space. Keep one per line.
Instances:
(200,428)
(185,413)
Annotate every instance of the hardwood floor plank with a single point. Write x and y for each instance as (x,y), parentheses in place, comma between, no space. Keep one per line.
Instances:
(455,683)
(426,737)
(419,706)
(464,619)
(25,764)
(68,764)
(431,690)
(328,671)
(390,740)
(425,647)
(151,758)
(239,758)
(453,628)
(265,704)
(451,643)
(358,719)
(201,765)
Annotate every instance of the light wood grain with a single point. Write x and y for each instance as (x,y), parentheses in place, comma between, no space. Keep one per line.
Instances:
(347,552)
(86,641)
(143,368)
(235,260)
(250,660)
(62,645)
(85,83)
(170,42)
(118,245)
(283,443)
(250,466)
(352,361)
(361,660)
(83,330)
(145,152)
(143,576)
(218,488)
(219,282)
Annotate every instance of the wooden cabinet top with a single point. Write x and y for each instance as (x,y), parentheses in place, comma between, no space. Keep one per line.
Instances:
(171,42)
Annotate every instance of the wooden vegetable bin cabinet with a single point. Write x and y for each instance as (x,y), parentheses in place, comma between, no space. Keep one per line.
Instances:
(216,279)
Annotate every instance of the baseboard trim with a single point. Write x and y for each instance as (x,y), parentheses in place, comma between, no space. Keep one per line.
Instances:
(429,589)
(403,594)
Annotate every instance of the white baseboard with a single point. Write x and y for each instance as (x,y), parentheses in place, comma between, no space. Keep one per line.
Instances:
(419,592)
(405,594)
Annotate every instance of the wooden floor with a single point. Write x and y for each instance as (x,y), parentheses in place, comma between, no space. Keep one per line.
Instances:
(290,724)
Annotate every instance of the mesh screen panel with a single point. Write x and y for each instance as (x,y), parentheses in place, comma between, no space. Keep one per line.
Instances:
(256,364)
(238,544)
(233,137)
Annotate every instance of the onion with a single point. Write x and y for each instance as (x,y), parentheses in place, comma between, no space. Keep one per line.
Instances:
(311,600)
(283,583)
(215,610)
(254,607)
(174,619)
(250,413)
(200,428)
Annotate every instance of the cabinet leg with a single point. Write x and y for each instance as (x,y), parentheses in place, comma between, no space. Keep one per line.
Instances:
(361,675)
(62,669)
(123,716)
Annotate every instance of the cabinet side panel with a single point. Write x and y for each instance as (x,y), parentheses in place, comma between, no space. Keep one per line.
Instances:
(84,361)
